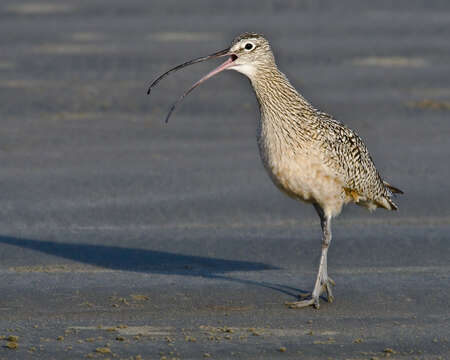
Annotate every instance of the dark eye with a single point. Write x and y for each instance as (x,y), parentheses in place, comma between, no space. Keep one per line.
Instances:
(248,46)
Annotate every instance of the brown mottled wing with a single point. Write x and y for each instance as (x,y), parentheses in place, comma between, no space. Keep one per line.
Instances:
(351,159)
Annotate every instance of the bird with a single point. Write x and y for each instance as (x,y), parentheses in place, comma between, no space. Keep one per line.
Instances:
(308,154)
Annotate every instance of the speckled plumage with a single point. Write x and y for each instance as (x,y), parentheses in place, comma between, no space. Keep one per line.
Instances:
(308,154)
(292,134)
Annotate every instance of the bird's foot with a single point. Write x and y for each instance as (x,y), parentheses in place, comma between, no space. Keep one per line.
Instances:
(326,286)
(313,299)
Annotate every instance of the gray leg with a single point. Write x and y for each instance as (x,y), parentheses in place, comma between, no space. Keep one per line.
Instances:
(323,282)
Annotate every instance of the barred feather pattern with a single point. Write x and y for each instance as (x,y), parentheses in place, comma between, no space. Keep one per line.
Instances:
(291,129)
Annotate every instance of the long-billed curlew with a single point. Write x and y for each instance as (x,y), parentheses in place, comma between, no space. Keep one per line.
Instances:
(308,154)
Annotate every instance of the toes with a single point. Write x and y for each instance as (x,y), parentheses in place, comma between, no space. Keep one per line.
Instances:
(302,303)
(316,303)
(308,299)
(330,296)
(326,287)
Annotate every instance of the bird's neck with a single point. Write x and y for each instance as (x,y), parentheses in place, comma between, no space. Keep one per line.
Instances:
(278,100)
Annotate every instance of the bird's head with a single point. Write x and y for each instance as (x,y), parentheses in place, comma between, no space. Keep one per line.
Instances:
(248,53)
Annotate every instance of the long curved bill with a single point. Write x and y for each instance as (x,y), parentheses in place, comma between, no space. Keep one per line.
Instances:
(217,70)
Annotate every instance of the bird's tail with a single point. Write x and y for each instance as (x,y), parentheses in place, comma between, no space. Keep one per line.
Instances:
(392,205)
(392,189)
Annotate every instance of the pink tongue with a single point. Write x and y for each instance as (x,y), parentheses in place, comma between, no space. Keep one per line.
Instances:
(217,70)
(212,73)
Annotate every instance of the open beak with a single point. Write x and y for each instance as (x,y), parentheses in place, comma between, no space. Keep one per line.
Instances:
(227,64)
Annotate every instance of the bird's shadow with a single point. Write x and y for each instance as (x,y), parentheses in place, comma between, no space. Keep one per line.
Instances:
(151,261)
